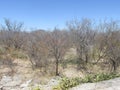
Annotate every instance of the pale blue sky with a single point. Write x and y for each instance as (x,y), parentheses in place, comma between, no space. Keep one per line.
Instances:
(45,14)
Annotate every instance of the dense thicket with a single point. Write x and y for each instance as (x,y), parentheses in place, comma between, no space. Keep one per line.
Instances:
(93,43)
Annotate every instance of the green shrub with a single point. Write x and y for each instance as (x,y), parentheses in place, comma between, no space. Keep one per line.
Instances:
(67,83)
(36,88)
(99,77)
(88,78)
(56,87)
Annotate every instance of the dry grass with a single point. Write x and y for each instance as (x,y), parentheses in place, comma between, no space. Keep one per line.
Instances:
(67,68)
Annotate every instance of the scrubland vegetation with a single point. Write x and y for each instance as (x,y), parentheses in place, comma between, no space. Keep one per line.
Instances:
(90,47)
(67,83)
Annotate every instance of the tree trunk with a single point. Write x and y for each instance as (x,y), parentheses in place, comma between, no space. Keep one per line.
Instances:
(86,58)
(57,73)
(113,65)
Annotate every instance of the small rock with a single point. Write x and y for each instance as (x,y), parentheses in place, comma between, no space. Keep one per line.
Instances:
(26,84)
(5,79)
(1,87)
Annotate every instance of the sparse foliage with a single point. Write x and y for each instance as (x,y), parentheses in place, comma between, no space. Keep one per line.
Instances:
(58,46)
(83,37)
(93,44)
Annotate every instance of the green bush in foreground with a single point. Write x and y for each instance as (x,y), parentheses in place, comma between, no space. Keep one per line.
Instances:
(99,77)
(67,83)
(36,88)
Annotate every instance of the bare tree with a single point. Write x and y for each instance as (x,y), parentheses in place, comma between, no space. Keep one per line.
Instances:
(107,43)
(113,44)
(57,44)
(83,37)
(11,34)
(99,45)
(37,49)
